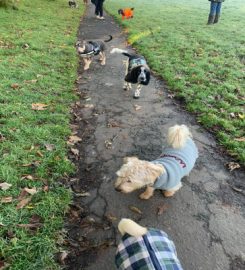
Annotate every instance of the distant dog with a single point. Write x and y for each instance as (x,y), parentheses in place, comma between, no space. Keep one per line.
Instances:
(164,173)
(127,13)
(88,49)
(137,71)
(72,4)
(145,249)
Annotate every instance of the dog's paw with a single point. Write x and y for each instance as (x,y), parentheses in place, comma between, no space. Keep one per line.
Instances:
(145,196)
(167,193)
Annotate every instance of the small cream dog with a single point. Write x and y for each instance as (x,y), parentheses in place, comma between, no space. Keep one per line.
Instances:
(145,248)
(164,173)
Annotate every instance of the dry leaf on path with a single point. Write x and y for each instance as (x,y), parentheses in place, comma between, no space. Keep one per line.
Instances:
(232,166)
(6,199)
(84,194)
(137,107)
(5,186)
(135,209)
(75,151)
(38,106)
(162,208)
(74,139)
(111,217)
(62,256)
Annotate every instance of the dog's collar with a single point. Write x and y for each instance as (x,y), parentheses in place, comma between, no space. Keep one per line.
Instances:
(180,161)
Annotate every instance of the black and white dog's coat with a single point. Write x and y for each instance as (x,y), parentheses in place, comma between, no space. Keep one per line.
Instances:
(137,71)
(72,4)
(88,49)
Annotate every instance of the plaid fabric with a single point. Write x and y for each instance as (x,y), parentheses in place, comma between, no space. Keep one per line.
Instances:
(154,250)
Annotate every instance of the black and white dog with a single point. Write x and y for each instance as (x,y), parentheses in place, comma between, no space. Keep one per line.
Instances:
(72,4)
(88,49)
(137,71)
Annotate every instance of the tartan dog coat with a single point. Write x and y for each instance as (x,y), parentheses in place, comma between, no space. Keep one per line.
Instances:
(152,251)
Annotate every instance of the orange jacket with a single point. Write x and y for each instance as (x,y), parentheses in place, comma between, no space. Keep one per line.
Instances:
(126,13)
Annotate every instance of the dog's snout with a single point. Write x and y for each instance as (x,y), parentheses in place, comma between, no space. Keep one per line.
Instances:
(117,189)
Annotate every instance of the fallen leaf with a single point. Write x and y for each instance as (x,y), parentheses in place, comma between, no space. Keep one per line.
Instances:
(30,81)
(15,86)
(23,203)
(135,209)
(49,147)
(88,106)
(31,191)
(36,219)
(22,195)
(242,139)
(84,194)
(74,139)
(111,217)
(45,188)
(62,256)
(27,176)
(162,208)
(241,116)
(33,164)
(232,166)
(75,151)
(39,153)
(108,144)
(25,46)
(5,186)
(38,106)
(30,226)
(7,199)
(2,138)
(171,96)
(137,107)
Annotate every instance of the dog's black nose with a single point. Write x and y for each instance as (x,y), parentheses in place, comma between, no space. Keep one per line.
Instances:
(118,189)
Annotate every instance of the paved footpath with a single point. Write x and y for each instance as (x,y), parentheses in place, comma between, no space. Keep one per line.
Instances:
(205,218)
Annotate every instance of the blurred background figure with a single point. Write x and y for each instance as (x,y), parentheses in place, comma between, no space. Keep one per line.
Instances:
(215,9)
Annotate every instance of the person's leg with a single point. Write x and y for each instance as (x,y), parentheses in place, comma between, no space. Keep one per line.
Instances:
(96,8)
(212,12)
(218,9)
(101,8)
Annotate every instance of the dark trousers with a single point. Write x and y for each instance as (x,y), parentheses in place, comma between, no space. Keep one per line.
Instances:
(99,7)
(215,8)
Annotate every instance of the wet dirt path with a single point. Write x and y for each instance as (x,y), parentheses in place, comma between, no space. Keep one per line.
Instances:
(205,218)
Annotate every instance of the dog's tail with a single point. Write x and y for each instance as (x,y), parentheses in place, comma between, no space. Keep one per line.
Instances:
(132,228)
(117,50)
(177,136)
(109,39)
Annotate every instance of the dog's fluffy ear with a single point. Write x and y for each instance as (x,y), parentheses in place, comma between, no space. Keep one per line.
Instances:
(129,159)
(155,170)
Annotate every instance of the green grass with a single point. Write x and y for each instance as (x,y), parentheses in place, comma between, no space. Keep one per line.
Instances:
(203,65)
(42,72)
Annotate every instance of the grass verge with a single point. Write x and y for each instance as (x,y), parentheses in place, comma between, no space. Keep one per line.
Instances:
(38,66)
(202,64)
